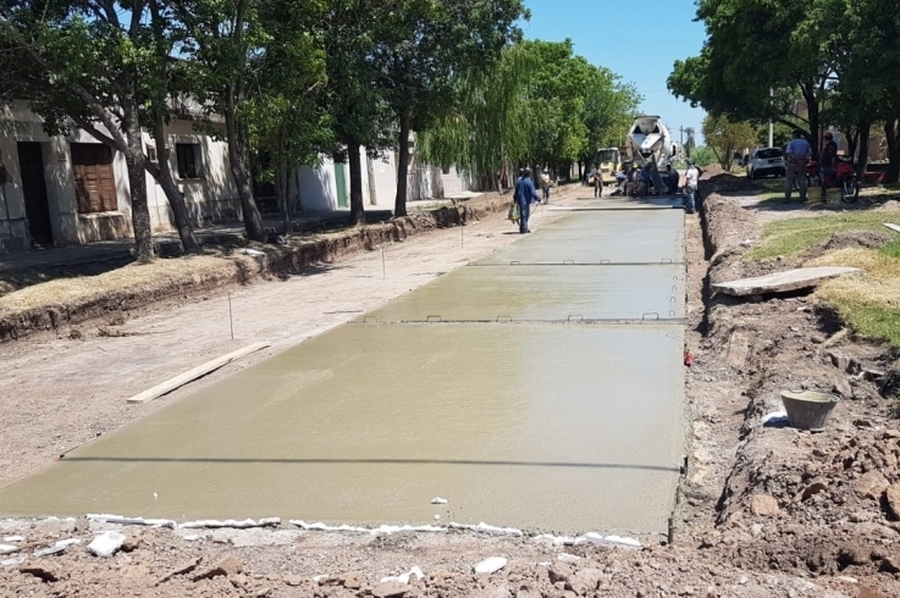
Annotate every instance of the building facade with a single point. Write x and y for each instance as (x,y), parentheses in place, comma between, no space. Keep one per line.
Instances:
(70,189)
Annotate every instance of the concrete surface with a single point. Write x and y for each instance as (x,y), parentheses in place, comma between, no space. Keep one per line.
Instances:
(530,421)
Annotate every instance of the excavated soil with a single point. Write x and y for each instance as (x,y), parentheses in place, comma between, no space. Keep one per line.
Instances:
(765,510)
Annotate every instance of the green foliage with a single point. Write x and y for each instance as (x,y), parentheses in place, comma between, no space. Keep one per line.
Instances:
(287,126)
(542,105)
(724,137)
(703,156)
(422,50)
(487,132)
(781,134)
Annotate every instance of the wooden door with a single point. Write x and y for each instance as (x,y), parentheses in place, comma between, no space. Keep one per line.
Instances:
(34,188)
(95,183)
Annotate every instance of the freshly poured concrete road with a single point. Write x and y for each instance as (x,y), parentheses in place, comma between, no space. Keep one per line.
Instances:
(517,392)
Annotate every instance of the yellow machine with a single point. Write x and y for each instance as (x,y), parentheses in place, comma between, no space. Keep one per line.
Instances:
(609,161)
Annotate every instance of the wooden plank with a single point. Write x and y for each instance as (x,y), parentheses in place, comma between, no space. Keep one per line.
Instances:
(781,282)
(893,227)
(191,375)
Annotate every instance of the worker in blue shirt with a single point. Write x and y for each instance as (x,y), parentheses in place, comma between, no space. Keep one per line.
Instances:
(525,195)
(796,155)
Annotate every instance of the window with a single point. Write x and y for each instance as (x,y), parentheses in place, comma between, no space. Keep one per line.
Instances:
(151,153)
(189,164)
(765,154)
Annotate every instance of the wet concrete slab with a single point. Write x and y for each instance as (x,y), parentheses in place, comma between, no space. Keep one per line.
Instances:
(546,426)
(543,292)
(504,387)
(597,237)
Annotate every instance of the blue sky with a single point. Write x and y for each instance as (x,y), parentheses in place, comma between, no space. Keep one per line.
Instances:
(621,36)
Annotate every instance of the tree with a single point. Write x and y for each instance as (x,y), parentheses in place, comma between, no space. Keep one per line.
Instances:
(610,108)
(703,156)
(486,133)
(759,58)
(287,125)
(97,64)
(358,112)
(724,137)
(218,39)
(555,103)
(422,49)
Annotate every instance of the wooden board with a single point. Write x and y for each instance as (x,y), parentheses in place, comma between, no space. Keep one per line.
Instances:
(191,375)
(781,282)
(893,227)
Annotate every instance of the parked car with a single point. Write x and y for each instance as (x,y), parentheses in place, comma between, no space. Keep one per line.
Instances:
(766,161)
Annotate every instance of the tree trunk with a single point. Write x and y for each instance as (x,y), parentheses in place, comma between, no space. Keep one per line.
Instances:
(357,210)
(862,146)
(893,147)
(163,176)
(812,104)
(402,166)
(137,177)
(239,156)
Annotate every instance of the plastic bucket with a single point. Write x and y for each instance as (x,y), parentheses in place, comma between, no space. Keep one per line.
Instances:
(806,409)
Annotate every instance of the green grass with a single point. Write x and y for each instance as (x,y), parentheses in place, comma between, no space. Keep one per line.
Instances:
(793,236)
(879,323)
(892,249)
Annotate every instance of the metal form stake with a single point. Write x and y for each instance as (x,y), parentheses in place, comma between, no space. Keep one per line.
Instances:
(230,316)
(670,532)
(462,233)
(383,270)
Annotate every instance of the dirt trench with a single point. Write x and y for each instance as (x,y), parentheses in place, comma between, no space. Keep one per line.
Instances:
(765,496)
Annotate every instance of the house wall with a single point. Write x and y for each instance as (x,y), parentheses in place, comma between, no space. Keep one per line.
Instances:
(212,196)
(318,185)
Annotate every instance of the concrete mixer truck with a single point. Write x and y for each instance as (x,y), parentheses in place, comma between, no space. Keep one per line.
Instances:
(649,147)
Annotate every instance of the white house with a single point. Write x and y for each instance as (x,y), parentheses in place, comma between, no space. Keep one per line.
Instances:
(327,186)
(70,189)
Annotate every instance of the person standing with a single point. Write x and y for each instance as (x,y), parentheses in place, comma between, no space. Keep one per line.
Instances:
(525,195)
(672,179)
(826,162)
(545,185)
(691,183)
(796,155)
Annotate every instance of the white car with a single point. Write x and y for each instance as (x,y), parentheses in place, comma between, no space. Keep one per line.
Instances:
(766,161)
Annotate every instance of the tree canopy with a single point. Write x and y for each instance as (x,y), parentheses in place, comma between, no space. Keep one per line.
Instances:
(284,83)
(802,63)
(543,106)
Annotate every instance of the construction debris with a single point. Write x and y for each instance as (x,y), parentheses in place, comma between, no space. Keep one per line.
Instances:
(782,282)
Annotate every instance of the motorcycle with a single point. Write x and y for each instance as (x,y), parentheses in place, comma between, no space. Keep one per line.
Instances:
(844,178)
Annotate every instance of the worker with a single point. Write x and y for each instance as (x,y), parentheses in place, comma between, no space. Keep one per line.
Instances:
(691,184)
(796,155)
(826,162)
(545,185)
(525,195)
(598,183)
(672,179)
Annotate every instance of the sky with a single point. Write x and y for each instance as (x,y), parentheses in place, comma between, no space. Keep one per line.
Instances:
(638,41)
